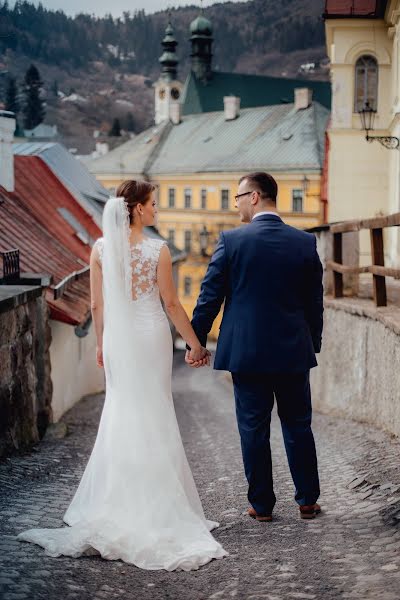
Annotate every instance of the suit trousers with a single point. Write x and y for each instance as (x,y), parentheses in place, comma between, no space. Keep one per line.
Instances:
(254,396)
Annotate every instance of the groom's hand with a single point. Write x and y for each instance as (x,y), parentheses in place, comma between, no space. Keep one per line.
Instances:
(196,361)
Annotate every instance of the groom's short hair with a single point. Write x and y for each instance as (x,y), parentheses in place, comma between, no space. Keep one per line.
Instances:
(264,183)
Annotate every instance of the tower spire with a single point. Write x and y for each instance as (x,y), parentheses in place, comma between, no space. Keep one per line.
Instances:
(168,59)
(201,38)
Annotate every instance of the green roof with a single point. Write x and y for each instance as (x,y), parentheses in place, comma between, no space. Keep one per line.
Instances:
(253,90)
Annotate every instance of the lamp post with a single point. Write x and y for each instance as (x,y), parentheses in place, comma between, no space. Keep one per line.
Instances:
(306,183)
(204,234)
(367,116)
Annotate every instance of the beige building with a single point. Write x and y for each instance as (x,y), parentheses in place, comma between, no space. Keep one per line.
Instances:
(363,43)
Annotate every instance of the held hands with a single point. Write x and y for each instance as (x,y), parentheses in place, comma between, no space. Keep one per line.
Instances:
(198,357)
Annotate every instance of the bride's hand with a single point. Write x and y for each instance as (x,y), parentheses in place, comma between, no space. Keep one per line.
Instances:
(204,361)
(197,353)
(99,356)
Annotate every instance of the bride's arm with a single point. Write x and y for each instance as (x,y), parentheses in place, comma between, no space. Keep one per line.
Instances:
(173,306)
(96,304)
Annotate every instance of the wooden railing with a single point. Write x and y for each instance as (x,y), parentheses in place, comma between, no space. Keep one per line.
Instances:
(377,269)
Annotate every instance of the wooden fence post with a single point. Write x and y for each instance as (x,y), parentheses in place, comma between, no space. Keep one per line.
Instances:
(378,259)
(338,258)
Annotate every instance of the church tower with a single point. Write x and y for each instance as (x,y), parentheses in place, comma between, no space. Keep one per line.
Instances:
(201,39)
(168,89)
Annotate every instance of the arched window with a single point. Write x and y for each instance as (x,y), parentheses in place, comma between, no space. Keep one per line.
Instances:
(366,83)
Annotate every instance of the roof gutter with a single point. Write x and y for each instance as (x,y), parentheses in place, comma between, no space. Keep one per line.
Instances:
(61,287)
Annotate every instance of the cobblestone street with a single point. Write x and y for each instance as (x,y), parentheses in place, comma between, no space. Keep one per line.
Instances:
(350,551)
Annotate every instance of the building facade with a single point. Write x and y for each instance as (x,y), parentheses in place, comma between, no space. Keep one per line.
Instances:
(363,43)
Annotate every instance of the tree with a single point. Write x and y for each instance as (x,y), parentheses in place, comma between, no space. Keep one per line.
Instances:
(129,122)
(54,88)
(12,103)
(115,130)
(34,111)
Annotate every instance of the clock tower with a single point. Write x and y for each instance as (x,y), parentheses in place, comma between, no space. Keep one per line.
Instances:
(168,89)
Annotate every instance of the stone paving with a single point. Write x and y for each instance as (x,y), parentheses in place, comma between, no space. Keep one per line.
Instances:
(351,551)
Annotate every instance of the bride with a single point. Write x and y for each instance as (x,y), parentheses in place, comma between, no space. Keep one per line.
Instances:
(137,500)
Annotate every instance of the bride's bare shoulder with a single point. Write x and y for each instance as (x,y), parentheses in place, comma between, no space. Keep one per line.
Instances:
(164,253)
(97,251)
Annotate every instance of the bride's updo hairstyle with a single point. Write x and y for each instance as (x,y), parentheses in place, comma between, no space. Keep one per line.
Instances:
(135,192)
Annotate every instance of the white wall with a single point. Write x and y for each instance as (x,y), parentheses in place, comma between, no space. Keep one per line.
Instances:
(73,367)
(358,375)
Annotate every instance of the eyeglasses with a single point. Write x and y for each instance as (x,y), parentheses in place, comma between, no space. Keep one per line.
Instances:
(245,194)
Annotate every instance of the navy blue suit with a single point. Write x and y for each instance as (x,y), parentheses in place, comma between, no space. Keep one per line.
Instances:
(270,277)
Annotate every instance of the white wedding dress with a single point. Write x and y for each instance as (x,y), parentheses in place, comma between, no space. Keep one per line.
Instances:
(137,500)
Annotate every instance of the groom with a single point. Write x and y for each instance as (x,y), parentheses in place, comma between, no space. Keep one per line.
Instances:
(270,277)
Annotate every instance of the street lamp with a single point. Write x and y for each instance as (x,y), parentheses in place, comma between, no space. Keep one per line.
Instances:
(306,183)
(367,116)
(204,240)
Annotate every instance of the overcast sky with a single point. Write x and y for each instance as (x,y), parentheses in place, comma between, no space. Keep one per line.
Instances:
(117,7)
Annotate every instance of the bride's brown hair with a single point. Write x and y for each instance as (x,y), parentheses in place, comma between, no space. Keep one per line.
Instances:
(135,192)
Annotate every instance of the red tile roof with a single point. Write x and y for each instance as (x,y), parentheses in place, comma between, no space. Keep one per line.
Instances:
(29,220)
(355,8)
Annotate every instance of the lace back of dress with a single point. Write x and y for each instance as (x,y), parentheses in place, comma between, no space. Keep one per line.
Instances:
(145,256)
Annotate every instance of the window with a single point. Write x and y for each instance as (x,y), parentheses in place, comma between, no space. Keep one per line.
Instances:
(203,199)
(187,286)
(366,83)
(224,199)
(188,198)
(188,241)
(171,236)
(297,201)
(171,197)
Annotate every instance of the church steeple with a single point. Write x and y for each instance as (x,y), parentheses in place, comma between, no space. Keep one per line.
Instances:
(167,88)
(201,38)
(168,59)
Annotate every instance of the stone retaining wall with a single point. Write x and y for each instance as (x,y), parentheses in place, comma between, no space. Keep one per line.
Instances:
(359,367)
(25,383)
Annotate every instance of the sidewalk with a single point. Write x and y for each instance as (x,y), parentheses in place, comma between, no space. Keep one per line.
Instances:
(352,551)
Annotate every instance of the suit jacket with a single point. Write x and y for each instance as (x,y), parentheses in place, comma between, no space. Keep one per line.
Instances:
(270,277)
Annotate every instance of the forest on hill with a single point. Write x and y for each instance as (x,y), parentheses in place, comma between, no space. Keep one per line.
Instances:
(254,27)
(86,54)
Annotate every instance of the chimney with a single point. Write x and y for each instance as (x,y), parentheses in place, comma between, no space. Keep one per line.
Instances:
(7,128)
(302,98)
(175,113)
(231,107)
(102,148)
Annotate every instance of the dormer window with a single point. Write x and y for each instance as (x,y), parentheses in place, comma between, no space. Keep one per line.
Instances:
(366,83)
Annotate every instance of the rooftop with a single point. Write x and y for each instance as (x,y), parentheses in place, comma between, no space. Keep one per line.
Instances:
(80,182)
(277,138)
(119,160)
(355,9)
(48,241)
(253,90)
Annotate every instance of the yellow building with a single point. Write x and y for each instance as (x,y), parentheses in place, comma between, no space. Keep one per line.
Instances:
(363,44)
(205,139)
(197,163)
